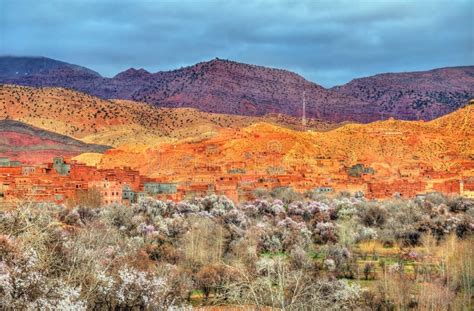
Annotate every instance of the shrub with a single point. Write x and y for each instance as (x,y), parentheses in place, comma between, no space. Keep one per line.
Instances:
(368,270)
(409,238)
(373,216)
(118,216)
(286,194)
(263,253)
(458,204)
(278,286)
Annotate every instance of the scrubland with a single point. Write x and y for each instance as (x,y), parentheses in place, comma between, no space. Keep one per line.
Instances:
(281,251)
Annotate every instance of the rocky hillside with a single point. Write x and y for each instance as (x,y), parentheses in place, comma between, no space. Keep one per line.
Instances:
(445,144)
(415,95)
(217,86)
(233,88)
(113,122)
(222,86)
(20,141)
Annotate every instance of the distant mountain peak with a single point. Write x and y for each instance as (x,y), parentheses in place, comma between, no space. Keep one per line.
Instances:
(230,87)
(17,66)
(133,73)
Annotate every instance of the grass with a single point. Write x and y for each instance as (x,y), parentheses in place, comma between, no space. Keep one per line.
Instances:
(273,254)
(376,247)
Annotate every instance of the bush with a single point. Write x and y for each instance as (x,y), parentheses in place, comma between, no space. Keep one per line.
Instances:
(286,194)
(265,253)
(373,216)
(458,205)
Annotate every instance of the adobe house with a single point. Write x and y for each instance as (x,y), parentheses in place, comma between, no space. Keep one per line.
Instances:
(466,188)
(4,187)
(128,196)
(236,171)
(323,189)
(275,170)
(27,170)
(15,163)
(10,171)
(110,191)
(176,197)
(198,189)
(141,196)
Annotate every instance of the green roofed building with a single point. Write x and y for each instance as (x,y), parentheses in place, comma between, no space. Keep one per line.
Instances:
(6,162)
(153,188)
(61,167)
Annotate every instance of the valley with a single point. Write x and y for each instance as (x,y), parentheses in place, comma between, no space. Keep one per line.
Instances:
(236,155)
(202,153)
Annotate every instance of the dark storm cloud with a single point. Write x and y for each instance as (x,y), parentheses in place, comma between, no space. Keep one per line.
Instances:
(329,42)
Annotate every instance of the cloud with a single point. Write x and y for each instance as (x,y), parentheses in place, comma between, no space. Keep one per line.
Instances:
(328,42)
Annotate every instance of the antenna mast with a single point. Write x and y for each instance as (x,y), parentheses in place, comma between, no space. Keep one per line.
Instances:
(303,120)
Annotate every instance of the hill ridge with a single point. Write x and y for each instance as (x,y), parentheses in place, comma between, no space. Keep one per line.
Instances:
(230,87)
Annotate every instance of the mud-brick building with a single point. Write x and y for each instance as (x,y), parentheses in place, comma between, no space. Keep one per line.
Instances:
(236,167)
(447,186)
(466,187)
(410,171)
(229,189)
(4,190)
(27,170)
(302,185)
(207,169)
(198,189)
(268,183)
(285,180)
(401,187)
(83,172)
(125,175)
(179,195)
(324,189)
(111,192)
(6,171)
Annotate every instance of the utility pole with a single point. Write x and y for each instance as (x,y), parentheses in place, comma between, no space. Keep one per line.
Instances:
(303,120)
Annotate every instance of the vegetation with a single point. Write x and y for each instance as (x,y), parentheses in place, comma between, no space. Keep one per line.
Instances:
(314,254)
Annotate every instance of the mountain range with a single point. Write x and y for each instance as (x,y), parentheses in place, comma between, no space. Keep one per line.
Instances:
(227,87)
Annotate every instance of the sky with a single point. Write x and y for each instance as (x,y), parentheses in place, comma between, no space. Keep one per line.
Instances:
(327,42)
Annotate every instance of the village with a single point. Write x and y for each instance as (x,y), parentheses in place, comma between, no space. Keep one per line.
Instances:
(64,179)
